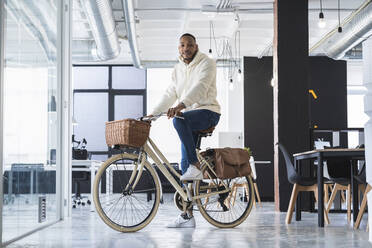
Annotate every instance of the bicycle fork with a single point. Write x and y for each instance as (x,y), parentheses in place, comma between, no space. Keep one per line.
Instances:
(136,175)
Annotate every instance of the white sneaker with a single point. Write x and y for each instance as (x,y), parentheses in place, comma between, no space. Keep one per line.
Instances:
(182,221)
(192,173)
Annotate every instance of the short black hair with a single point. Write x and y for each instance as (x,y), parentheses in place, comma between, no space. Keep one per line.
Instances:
(189,35)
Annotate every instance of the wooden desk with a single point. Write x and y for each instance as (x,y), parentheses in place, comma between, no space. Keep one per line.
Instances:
(352,154)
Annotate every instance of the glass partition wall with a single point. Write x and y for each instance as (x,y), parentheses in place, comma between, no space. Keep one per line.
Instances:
(30,168)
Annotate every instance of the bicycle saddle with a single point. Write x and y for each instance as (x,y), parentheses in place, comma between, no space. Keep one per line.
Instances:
(207,132)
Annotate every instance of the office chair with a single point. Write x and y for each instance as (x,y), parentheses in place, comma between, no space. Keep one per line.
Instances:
(77,198)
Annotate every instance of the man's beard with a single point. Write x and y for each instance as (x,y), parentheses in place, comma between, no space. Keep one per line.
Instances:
(190,59)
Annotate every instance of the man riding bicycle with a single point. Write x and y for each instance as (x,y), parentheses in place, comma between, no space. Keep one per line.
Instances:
(193,87)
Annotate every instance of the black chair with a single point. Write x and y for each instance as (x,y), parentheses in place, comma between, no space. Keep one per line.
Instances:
(339,171)
(364,187)
(299,184)
(79,177)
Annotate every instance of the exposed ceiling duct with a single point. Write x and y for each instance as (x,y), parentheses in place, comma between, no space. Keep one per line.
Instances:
(218,6)
(130,24)
(355,29)
(101,20)
(42,26)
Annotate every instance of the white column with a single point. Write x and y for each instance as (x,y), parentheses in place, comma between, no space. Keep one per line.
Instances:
(2,59)
(367,82)
(64,118)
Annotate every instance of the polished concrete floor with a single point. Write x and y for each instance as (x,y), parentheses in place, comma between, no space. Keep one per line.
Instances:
(263,228)
(20,215)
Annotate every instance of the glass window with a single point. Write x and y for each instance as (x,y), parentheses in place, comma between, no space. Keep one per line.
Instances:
(128,106)
(99,157)
(91,113)
(30,119)
(94,105)
(128,77)
(90,77)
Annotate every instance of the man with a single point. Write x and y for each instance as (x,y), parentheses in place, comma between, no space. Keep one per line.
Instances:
(193,87)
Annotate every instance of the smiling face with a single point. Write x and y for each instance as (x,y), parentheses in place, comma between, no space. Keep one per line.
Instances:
(187,48)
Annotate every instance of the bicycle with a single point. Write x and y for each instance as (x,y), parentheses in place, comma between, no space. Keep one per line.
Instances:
(127,190)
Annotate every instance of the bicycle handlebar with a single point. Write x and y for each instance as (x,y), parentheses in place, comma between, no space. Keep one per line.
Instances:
(155,117)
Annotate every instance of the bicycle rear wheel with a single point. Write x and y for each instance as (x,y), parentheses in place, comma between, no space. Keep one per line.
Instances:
(120,205)
(224,210)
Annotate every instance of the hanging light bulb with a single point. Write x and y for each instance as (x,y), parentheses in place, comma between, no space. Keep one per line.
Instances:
(231,84)
(321,23)
(210,53)
(239,77)
(272,82)
(339,29)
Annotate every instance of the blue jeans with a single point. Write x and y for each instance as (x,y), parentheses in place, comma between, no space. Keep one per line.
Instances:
(187,129)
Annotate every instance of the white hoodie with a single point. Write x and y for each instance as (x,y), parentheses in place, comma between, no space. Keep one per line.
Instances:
(193,84)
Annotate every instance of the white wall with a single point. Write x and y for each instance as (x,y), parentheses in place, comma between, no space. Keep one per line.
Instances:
(236,107)
(354,72)
(355,100)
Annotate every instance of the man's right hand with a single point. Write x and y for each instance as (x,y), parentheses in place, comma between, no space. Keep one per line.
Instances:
(175,111)
(148,117)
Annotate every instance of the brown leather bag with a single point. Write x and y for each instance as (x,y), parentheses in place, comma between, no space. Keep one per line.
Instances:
(230,162)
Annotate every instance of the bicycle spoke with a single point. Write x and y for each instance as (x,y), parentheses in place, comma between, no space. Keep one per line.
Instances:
(124,207)
(220,209)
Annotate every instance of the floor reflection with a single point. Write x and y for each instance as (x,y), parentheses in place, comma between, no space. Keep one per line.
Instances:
(263,228)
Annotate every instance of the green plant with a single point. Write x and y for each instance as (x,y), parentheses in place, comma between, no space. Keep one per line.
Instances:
(248,150)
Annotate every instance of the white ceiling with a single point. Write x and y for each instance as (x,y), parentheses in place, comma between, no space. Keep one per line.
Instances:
(161,22)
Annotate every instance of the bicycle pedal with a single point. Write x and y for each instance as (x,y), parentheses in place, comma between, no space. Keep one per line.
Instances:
(187,181)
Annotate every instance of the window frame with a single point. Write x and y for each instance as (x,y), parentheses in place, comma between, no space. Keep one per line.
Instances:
(111,93)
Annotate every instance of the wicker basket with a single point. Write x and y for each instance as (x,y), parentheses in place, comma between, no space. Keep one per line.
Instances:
(127,132)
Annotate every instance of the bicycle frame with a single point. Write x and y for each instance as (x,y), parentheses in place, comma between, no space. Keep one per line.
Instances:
(153,152)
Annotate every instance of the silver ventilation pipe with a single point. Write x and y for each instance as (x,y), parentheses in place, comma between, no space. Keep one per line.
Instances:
(84,51)
(131,31)
(354,30)
(42,25)
(101,20)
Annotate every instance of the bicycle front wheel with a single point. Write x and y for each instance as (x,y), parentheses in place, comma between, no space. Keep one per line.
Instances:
(228,209)
(122,203)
